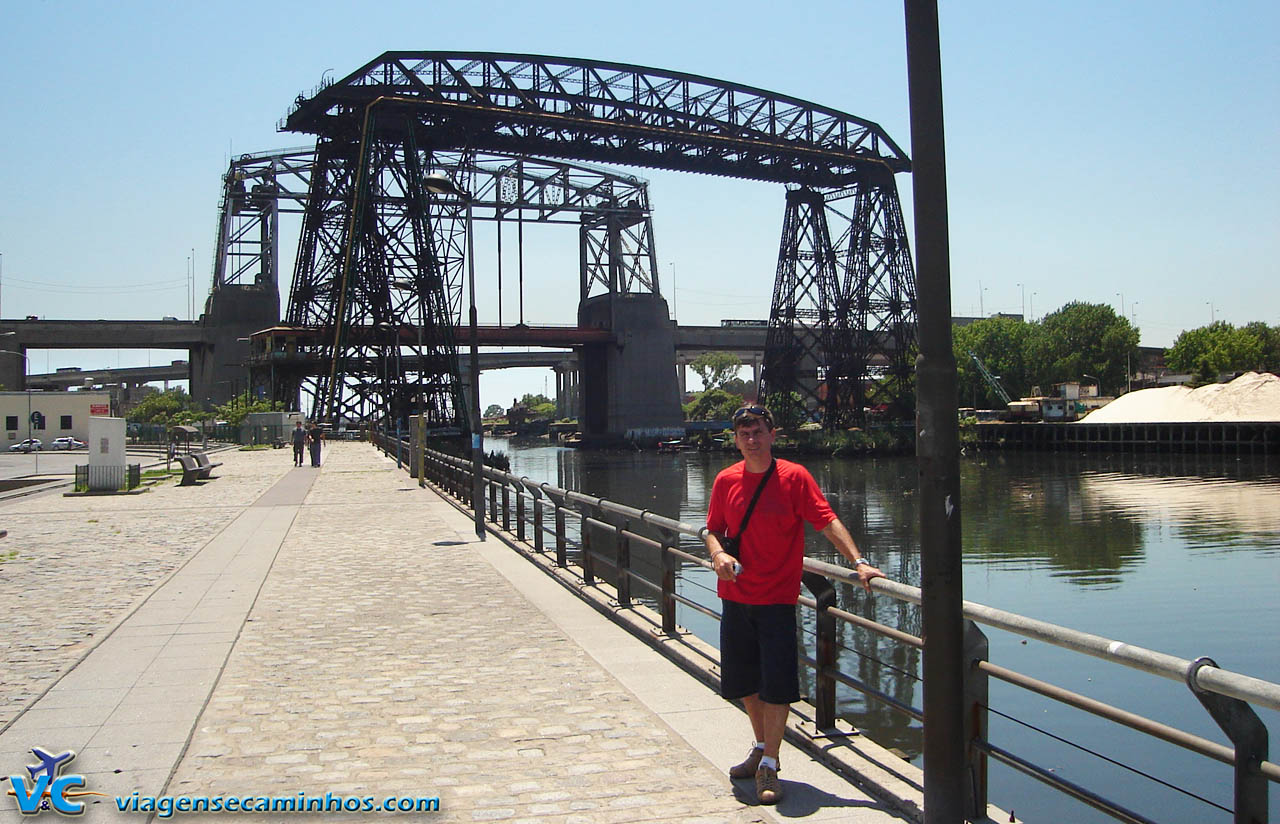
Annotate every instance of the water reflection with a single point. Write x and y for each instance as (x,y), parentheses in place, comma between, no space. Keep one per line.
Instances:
(1110,544)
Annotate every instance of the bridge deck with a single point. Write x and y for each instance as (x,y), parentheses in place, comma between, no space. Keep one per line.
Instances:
(278,630)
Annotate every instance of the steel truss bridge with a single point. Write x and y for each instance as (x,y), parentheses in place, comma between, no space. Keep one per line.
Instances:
(380,269)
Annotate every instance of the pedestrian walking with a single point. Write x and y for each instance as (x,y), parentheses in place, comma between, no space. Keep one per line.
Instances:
(299,437)
(315,436)
(765,503)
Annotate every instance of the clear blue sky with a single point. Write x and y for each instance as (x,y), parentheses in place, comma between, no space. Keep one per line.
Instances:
(1095,149)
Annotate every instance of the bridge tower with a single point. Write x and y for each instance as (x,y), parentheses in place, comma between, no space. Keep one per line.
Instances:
(806,322)
(245,297)
(879,289)
(842,321)
(371,278)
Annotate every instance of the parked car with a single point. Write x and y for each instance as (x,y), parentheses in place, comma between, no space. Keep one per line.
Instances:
(68,443)
(27,446)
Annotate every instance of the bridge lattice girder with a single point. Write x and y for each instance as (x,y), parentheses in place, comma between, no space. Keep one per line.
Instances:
(607,112)
(507,189)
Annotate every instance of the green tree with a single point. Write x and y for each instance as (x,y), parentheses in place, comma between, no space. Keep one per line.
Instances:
(716,368)
(1269,338)
(1083,339)
(531,400)
(168,408)
(712,405)
(238,408)
(1207,351)
(494,410)
(1004,346)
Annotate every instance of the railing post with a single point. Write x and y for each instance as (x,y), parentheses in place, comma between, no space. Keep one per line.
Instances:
(562,549)
(1247,732)
(520,513)
(669,582)
(537,520)
(506,507)
(588,564)
(422,450)
(493,504)
(975,719)
(826,652)
(623,561)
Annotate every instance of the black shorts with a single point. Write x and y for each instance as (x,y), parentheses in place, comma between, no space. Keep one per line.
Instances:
(758,654)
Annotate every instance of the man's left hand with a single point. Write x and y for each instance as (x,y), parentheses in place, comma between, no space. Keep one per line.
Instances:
(865,573)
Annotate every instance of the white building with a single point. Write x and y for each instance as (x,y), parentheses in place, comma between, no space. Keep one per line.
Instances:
(49,415)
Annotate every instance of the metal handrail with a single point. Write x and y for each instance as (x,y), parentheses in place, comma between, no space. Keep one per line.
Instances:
(1200,675)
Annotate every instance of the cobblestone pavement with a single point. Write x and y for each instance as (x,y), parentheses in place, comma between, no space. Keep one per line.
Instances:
(71,567)
(384,657)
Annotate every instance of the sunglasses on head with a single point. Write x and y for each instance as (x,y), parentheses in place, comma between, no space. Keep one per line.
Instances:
(757,411)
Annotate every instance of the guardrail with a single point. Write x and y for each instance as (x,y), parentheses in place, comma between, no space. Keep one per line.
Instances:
(546,510)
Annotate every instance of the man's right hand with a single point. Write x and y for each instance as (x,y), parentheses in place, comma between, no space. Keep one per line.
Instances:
(722,564)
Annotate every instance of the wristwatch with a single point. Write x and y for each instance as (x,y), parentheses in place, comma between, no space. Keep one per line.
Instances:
(859,562)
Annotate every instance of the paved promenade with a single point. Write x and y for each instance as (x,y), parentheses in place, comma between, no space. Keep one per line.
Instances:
(278,631)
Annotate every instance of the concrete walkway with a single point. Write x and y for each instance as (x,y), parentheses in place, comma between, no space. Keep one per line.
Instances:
(279,631)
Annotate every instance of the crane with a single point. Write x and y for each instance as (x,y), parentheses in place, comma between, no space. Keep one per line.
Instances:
(991,379)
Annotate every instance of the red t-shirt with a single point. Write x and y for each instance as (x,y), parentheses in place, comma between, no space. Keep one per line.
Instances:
(772,550)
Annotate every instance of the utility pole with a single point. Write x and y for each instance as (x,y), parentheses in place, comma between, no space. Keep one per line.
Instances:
(937,432)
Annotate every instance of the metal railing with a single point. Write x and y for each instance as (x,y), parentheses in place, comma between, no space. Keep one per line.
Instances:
(516,503)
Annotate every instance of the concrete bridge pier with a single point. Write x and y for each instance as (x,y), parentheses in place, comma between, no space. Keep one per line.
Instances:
(13,368)
(629,385)
(232,313)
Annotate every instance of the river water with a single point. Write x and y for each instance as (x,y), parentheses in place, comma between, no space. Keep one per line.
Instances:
(1176,553)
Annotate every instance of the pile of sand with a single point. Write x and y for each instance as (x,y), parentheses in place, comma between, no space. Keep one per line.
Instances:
(1251,397)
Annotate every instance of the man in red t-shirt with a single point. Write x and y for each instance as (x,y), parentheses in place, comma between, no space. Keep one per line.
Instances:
(759,588)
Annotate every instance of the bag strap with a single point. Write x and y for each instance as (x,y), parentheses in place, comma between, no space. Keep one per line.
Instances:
(746,518)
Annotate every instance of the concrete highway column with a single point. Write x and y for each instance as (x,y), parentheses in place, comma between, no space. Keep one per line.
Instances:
(682,370)
(560,404)
(755,374)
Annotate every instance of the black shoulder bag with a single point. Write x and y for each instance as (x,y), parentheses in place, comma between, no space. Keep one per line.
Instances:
(732,545)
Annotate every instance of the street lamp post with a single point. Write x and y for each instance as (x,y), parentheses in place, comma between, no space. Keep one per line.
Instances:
(441,184)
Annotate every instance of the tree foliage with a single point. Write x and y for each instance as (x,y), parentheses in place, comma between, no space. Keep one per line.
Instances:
(712,405)
(171,407)
(1207,351)
(1084,339)
(494,410)
(1078,339)
(716,368)
(1004,346)
(238,408)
